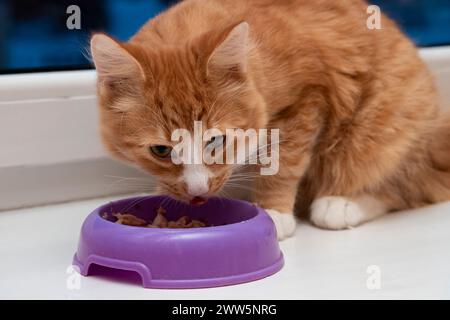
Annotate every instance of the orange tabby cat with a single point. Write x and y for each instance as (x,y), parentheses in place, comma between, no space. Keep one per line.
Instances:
(360,130)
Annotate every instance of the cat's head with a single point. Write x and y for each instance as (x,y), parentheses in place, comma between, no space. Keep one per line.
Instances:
(148,90)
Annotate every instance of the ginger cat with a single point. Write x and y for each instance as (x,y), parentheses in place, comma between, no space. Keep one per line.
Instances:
(360,129)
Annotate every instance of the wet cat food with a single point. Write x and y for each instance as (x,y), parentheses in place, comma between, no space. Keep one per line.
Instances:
(160,221)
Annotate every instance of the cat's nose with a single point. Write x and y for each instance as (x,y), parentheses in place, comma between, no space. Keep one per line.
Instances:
(196,179)
(197,189)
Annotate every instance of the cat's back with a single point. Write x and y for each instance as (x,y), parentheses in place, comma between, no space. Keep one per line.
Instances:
(191,18)
(296,39)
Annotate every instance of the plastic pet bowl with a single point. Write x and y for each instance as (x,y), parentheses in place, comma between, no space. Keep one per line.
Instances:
(239,245)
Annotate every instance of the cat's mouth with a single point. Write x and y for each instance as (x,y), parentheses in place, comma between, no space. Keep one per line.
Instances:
(180,195)
(198,201)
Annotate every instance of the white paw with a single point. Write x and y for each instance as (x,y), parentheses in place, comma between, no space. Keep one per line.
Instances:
(284,223)
(336,213)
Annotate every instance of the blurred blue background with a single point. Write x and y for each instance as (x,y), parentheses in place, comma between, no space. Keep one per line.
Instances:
(427,22)
(33,33)
(34,36)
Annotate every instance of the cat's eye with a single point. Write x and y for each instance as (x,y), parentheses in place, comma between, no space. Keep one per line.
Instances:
(216,142)
(161,151)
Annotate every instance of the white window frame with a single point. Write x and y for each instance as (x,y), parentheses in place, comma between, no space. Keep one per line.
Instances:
(50,148)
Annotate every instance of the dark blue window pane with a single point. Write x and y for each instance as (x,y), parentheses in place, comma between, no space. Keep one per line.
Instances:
(427,22)
(34,36)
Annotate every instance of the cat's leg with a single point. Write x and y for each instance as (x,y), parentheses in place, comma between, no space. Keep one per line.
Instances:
(336,213)
(299,126)
(277,196)
(284,223)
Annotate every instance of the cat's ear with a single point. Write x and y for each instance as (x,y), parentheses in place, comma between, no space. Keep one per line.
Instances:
(230,54)
(113,61)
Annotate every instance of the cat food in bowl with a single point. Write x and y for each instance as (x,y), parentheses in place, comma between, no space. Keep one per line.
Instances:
(176,245)
(160,221)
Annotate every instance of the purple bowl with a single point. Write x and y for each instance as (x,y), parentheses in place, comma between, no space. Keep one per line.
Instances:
(240,245)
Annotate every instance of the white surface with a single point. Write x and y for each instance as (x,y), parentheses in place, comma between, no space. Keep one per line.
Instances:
(411,249)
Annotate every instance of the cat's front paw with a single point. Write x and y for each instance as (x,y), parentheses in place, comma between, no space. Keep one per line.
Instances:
(284,223)
(336,213)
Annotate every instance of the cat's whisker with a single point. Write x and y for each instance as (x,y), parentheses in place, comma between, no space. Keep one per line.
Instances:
(130,182)
(243,180)
(249,176)
(225,111)
(223,193)
(244,187)
(133,182)
(164,202)
(125,178)
(126,184)
(254,156)
(136,202)
(244,176)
